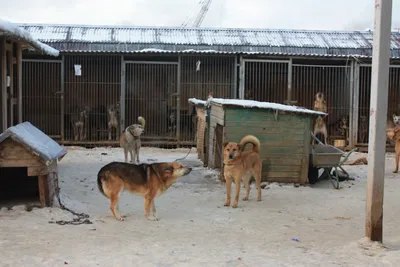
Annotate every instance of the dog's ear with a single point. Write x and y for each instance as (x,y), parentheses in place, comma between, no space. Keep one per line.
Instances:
(225,144)
(239,146)
(169,169)
(394,116)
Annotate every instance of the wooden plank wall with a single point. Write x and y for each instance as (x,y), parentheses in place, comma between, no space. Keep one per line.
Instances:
(284,143)
(217,115)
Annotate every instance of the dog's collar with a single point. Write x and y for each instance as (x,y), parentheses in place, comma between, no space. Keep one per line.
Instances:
(136,137)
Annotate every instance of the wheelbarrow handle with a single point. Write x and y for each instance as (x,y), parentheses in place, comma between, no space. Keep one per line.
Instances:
(316,139)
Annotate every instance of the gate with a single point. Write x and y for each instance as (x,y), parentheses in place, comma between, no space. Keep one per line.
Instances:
(266,80)
(152,91)
(334,82)
(41,95)
(363,81)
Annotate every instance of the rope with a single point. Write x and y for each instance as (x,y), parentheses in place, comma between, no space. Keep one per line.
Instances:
(185,156)
(82,218)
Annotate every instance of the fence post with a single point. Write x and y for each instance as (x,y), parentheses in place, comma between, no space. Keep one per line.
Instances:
(62,80)
(352,122)
(356,101)
(178,103)
(19,81)
(3,83)
(122,95)
(241,77)
(290,73)
(234,93)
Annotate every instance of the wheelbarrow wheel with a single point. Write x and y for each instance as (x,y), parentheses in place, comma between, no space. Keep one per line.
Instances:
(312,175)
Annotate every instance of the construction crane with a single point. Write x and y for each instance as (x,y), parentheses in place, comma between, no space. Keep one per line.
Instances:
(204,6)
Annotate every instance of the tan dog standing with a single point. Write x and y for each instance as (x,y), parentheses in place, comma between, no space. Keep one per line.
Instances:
(240,166)
(320,125)
(394,134)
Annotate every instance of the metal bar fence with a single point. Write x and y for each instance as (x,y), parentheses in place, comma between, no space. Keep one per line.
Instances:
(151,92)
(334,82)
(92,89)
(41,98)
(201,75)
(364,98)
(266,80)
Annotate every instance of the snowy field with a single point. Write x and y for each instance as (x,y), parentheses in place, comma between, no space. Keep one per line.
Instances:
(195,228)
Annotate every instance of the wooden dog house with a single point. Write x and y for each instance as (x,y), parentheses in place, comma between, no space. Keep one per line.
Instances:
(26,146)
(201,133)
(284,133)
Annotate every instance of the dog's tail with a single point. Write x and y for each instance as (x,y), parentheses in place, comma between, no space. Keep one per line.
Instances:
(253,140)
(142,121)
(100,177)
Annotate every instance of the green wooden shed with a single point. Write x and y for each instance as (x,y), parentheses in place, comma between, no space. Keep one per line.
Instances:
(284,133)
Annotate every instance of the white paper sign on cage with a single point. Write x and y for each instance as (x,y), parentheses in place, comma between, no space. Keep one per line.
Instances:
(198,65)
(78,71)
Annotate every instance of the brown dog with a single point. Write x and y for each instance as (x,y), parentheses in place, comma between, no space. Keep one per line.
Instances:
(394,135)
(320,125)
(240,166)
(146,180)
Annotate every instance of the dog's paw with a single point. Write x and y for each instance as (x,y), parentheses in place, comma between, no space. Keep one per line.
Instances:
(234,206)
(394,171)
(152,218)
(120,219)
(258,199)
(245,198)
(227,204)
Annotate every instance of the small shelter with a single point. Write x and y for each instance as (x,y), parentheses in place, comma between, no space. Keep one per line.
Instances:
(13,40)
(284,133)
(25,146)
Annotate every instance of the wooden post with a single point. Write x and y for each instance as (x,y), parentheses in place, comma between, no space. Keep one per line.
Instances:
(43,191)
(11,90)
(19,79)
(3,84)
(378,113)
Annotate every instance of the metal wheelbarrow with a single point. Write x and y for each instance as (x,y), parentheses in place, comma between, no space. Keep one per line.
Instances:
(329,158)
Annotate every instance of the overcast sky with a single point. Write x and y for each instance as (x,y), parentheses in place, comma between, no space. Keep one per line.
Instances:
(279,14)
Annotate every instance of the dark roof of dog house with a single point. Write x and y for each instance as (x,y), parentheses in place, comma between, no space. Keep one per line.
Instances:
(135,39)
(34,140)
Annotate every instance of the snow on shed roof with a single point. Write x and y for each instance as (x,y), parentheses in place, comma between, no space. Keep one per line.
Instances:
(10,29)
(196,101)
(34,140)
(265,105)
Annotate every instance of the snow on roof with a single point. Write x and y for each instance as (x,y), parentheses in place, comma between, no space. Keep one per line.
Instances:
(34,140)
(12,29)
(196,101)
(265,105)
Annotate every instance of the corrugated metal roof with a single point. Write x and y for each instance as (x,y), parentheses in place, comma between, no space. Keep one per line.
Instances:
(84,38)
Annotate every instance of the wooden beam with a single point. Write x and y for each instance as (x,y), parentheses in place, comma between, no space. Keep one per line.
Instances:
(378,113)
(44,191)
(19,81)
(3,83)
(11,90)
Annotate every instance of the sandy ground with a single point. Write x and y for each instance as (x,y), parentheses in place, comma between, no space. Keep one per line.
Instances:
(195,228)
